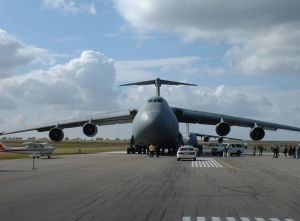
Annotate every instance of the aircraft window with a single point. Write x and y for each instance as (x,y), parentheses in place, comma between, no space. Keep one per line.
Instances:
(155,100)
(149,101)
(159,100)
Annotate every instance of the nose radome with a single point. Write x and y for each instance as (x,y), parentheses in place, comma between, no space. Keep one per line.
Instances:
(156,126)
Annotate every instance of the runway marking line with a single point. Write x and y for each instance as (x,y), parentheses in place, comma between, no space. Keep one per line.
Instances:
(205,162)
(215,218)
(232,167)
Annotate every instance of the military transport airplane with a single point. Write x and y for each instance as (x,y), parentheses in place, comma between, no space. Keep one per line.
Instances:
(35,149)
(156,122)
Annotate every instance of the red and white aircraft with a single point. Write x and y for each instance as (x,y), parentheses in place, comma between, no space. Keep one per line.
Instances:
(36,149)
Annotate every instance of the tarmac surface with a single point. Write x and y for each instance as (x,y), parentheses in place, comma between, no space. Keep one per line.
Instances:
(117,186)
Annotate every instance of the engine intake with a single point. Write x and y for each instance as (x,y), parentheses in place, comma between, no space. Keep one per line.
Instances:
(220,140)
(222,128)
(56,134)
(257,133)
(206,139)
(90,129)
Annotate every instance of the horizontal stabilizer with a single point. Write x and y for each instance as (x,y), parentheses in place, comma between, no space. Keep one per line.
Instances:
(158,82)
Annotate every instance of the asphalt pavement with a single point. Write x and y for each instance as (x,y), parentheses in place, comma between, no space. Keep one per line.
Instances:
(117,186)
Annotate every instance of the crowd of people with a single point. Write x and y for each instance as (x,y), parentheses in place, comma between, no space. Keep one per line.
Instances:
(289,151)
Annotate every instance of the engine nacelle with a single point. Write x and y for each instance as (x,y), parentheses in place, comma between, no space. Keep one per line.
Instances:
(220,140)
(90,129)
(56,134)
(257,133)
(206,139)
(222,128)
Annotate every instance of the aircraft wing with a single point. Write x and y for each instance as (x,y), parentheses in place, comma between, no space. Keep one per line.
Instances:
(201,117)
(207,135)
(108,118)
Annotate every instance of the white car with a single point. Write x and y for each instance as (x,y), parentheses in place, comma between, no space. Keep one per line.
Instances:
(236,149)
(186,152)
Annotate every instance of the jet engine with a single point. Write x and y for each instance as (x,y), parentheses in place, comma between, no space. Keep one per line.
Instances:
(206,139)
(220,140)
(222,128)
(56,134)
(257,133)
(90,129)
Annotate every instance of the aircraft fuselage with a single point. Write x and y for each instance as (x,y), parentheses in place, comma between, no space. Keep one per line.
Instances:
(155,123)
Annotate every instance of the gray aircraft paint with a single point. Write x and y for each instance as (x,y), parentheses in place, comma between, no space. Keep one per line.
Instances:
(155,123)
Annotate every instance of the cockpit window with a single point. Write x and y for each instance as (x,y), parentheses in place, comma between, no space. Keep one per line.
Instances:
(155,100)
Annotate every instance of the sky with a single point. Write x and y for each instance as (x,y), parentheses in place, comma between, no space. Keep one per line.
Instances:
(62,59)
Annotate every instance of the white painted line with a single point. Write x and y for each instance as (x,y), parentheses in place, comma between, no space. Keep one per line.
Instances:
(186,218)
(213,162)
(289,220)
(200,163)
(244,219)
(215,219)
(259,219)
(274,219)
(230,218)
(193,164)
(200,218)
(217,163)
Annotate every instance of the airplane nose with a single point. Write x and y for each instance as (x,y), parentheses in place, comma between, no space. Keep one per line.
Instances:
(156,127)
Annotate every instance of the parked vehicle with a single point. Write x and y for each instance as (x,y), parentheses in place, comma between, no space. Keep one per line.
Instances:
(235,149)
(186,152)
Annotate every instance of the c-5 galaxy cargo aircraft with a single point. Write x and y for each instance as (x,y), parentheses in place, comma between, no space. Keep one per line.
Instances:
(156,122)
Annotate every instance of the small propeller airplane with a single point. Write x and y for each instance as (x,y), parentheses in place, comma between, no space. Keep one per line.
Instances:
(36,149)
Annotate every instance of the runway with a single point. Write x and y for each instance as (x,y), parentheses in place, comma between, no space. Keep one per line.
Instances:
(117,186)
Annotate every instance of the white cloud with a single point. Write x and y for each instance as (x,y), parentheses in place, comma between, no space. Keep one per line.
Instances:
(263,35)
(69,6)
(82,83)
(14,53)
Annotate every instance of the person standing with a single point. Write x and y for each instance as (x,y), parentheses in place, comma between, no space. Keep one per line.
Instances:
(157,150)
(290,151)
(294,152)
(276,150)
(254,150)
(261,149)
(298,151)
(228,150)
(224,150)
(285,150)
(151,150)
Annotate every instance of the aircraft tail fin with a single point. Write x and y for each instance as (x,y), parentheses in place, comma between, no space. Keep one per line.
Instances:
(2,146)
(158,82)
